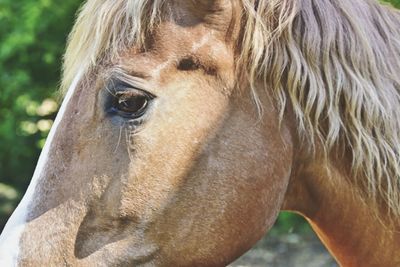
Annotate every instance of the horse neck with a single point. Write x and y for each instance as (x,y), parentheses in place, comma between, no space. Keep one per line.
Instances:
(355,234)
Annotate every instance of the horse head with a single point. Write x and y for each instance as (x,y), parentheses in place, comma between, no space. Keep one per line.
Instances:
(187,125)
(155,157)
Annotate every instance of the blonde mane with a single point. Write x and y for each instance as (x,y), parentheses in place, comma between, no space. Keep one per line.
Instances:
(337,62)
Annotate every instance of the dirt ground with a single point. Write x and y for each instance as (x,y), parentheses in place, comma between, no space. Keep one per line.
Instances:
(289,250)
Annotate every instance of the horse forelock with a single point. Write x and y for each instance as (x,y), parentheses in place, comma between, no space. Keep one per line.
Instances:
(336,62)
(105,28)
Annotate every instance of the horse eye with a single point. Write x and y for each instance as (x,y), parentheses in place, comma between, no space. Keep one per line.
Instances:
(131,104)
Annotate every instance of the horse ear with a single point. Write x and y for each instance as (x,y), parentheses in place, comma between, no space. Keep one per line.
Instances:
(215,12)
(208,5)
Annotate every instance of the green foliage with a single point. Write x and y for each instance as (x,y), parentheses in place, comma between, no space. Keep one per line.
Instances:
(395,3)
(290,223)
(32,40)
(33,35)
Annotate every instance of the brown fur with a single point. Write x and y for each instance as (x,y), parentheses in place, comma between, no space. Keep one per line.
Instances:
(202,178)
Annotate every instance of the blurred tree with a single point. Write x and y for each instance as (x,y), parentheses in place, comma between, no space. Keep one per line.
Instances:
(395,3)
(32,40)
(33,35)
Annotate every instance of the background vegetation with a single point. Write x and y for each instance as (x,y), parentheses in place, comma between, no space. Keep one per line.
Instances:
(32,40)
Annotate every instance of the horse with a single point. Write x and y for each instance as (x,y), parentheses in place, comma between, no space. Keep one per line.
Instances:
(187,125)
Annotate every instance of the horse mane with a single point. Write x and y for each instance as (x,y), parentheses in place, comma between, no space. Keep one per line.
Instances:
(337,63)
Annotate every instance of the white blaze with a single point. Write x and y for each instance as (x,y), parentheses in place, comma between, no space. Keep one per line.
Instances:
(10,237)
